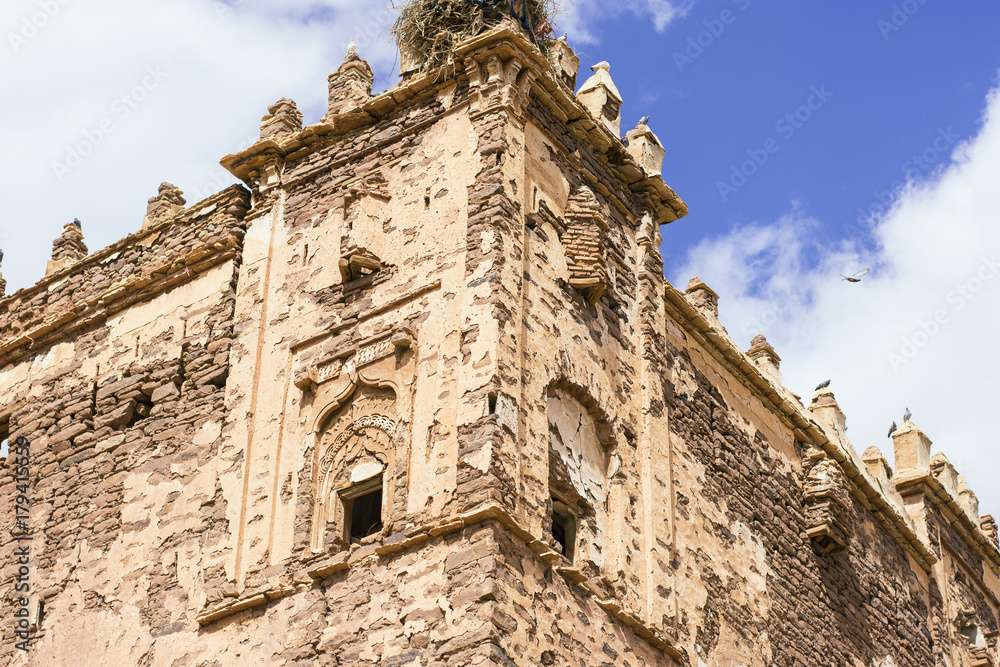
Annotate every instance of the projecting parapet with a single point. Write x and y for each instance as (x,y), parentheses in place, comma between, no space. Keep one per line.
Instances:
(68,248)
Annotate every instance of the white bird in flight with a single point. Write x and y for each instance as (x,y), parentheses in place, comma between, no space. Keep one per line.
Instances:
(856,278)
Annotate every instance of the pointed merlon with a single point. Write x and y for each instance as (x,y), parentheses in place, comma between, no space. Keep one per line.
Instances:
(283,117)
(68,248)
(168,201)
(351,85)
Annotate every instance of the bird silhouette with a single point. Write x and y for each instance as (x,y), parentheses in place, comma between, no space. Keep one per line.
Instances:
(856,278)
(907,415)
(643,121)
(1,255)
(823,385)
(76,221)
(892,429)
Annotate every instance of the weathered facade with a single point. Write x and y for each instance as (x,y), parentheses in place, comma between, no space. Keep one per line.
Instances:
(420,395)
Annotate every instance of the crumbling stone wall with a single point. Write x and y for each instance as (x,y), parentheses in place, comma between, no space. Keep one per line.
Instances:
(451,293)
(857,607)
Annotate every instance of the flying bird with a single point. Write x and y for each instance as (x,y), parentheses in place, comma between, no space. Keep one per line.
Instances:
(892,429)
(823,385)
(643,121)
(604,65)
(907,415)
(856,278)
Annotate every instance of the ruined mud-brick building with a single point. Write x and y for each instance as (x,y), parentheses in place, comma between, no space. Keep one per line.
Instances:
(419,394)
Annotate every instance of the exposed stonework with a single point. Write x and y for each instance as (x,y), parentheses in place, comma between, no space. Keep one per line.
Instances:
(67,249)
(419,394)
(168,202)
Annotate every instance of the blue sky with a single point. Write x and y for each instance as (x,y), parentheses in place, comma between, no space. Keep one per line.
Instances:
(893,90)
(870,85)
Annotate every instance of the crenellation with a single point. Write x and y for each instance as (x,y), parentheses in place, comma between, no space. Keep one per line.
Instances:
(68,248)
(418,393)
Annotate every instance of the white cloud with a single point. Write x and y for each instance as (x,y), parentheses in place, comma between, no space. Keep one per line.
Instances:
(66,65)
(920,331)
(580,18)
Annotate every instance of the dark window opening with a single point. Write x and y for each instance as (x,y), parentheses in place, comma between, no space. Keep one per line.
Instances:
(4,435)
(563,528)
(363,515)
(493,403)
(971,633)
(36,622)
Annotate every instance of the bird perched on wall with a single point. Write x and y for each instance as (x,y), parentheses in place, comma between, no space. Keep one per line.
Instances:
(604,65)
(79,225)
(1,256)
(625,142)
(892,429)
(907,415)
(565,37)
(643,121)
(823,385)
(856,278)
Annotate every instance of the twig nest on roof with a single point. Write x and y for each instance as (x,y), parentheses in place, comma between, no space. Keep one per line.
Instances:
(427,31)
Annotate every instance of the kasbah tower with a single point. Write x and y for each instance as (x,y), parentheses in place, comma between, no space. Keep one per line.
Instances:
(416,393)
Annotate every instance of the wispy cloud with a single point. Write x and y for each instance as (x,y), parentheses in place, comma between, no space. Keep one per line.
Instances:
(919,331)
(582,18)
(71,153)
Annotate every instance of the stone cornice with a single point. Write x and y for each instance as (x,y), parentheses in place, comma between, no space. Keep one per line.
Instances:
(793,416)
(321,566)
(547,90)
(953,512)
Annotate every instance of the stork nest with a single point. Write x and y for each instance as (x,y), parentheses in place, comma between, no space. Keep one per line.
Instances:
(429,30)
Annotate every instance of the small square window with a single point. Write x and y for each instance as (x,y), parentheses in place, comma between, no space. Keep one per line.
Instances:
(564,528)
(362,510)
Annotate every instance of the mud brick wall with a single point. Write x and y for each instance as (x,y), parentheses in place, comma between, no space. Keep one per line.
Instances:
(117,415)
(862,605)
(187,391)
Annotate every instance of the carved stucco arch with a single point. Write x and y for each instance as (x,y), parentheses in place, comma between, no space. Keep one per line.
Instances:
(386,362)
(330,446)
